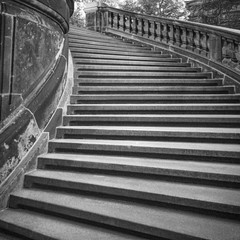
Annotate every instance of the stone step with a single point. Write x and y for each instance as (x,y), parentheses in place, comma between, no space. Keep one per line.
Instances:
(4,235)
(126,62)
(179,134)
(165,62)
(137,217)
(165,90)
(132,74)
(75,41)
(207,120)
(213,173)
(94,38)
(112,47)
(154,108)
(39,226)
(154,98)
(147,82)
(173,150)
(160,58)
(115,53)
(104,40)
(159,191)
(149,69)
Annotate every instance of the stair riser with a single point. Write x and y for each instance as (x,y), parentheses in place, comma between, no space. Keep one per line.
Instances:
(160,58)
(168,109)
(145,84)
(148,135)
(145,172)
(112,191)
(148,121)
(166,62)
(99,39)
(135,69)
(159,62)
(149,101)
(111,48)
(116,53)
(22,233)
(141,75)
(165,153)
(76,42)
(152,99)
(97,218)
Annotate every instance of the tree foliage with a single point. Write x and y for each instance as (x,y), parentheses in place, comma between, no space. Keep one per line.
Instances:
(219,12)
(160,8)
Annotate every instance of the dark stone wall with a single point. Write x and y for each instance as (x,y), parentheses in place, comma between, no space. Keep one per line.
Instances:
(33,64)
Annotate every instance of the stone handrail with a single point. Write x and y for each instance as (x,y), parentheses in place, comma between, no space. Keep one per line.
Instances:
(218,44)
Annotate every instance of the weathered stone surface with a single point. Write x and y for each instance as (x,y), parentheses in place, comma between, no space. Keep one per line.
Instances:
(15,140)
(33,56)
(28,163)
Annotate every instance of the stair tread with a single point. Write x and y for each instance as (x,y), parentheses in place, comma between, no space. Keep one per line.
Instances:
(225,169)
(142,74)
(162,116)
(82,42)
(170,61)
(156,129)
(135,68)
(32,224)
(114,52)
(144,218)
(129,59)
(219,147)
(99,79)
(226,200)
(160,96)
(160,58)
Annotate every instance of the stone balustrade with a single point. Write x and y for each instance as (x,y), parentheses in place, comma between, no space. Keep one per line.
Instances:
(219,44)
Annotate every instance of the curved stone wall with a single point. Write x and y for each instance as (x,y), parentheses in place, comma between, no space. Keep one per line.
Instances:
(33,58)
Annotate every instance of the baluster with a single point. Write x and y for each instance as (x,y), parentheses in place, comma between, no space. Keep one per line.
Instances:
(227,52)
(190,39)
(115,20)
(196,39)
(127,24)
(165,33)
(177,36)
(203,41)
(184,37)
(171,34)
(145,28)
(130,27)
(110,19)
(237,53)
(225,57)
(234,48)
(152,30)
(158,32)
(121,22)
(134,25)
(140,26)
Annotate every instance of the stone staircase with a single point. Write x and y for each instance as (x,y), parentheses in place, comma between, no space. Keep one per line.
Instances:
(149,149)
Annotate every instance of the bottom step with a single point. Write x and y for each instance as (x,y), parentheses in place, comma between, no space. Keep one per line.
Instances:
(149,220)
(32,225)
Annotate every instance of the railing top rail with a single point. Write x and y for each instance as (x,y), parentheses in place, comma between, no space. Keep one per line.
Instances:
(228,32)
